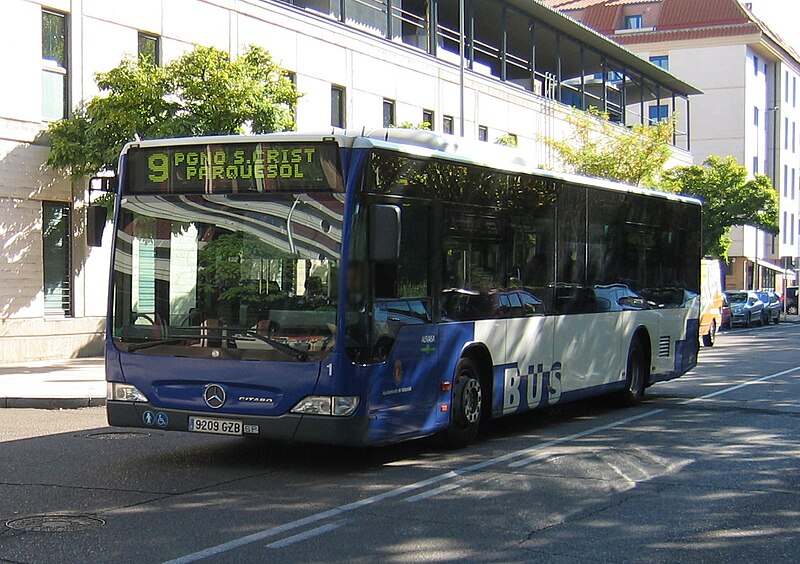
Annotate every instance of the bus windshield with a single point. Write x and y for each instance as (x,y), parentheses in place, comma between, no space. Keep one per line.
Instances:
(228,276)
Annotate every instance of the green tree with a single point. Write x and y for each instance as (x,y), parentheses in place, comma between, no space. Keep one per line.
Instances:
(509,140)
(602,149)
(424,125)
(729,199)
(203,92)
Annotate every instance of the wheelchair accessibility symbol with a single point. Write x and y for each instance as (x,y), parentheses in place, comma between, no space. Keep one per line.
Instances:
(162,420)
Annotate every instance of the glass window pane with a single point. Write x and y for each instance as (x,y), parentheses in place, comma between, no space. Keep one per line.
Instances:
(388,113)
(54,38)
(447,124)
(337,106)
(56,236)
(148,48)
(53,95)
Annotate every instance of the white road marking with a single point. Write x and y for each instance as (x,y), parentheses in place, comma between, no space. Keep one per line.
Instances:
(740,386)
(531,454)
(431,493)
(570,438)
(307,534)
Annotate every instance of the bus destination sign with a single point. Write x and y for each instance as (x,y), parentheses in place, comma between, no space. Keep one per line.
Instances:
(234,168)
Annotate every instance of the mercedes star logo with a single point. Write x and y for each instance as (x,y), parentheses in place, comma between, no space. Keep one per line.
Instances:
(214,396)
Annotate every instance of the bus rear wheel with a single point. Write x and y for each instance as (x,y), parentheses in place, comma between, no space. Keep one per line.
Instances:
(636,376)
(467,404)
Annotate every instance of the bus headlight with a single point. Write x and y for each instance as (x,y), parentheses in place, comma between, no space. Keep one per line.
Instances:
(338,406)
(123,392)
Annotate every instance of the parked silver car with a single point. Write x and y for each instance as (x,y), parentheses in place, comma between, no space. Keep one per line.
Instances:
(773,306)
(746,308)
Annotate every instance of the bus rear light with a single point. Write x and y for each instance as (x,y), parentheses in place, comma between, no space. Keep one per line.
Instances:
(443,408)
(124,392)
(338,406)
(446,386)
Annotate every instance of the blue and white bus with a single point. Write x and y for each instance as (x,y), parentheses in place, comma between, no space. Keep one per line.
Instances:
(371,287)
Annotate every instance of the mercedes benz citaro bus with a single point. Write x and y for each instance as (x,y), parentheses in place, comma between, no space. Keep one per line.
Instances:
(371,287)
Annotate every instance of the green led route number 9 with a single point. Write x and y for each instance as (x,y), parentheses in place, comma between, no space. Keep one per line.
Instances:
(158,164)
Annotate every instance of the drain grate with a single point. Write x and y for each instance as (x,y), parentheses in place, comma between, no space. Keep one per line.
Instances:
(54,523)
(117,435)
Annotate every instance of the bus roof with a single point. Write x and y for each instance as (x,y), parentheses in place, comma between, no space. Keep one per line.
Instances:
(421,143)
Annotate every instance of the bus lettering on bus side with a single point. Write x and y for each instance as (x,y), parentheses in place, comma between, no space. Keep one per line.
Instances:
(538,381)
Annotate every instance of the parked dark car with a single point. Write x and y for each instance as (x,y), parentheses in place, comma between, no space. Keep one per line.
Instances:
(773,307)
(791,300)
(725,312)
(746,308)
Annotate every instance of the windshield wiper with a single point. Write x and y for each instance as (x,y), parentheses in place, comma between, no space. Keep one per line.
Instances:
(233,334)
(275,344)
(148,344)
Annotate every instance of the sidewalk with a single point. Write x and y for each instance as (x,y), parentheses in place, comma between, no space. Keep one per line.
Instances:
(53,384)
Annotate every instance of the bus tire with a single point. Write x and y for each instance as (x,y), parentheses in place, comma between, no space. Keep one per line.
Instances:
(466,405)
(711,337)
(636,376)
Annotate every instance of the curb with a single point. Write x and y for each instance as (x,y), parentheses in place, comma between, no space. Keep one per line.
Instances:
(50,403)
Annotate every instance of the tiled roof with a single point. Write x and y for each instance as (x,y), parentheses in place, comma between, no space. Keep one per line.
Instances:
(688,34)
(603,18)
(566,5)
(678,20)
(682,14)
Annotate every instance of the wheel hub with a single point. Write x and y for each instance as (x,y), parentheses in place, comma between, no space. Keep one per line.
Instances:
(472,401)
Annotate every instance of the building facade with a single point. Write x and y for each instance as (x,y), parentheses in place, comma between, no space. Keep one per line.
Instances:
(749,109)
(356,63)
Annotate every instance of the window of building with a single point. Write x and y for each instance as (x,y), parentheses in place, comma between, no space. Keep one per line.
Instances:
(786,88)
(658,113)
(292,76)
(755,165)
(150,47)
(791,225)
(786,133)
(755,116)
(794,137)
(447,124)
(388,113)
(633,22)
(785,181)
(783,228)
(428,117)
(794,91)
(338,117)
(483,133)
(660,61)
(773,244)
(755,64)
(54,65)
(793,179)
(57,258)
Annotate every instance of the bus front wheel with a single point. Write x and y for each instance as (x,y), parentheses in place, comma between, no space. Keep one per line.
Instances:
(466,405)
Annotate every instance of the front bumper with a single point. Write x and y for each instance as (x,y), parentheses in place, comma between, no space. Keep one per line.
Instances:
(350,431)
(742,318)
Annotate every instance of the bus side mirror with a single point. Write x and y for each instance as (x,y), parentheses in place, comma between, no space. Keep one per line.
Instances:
(95,223)
(384,233)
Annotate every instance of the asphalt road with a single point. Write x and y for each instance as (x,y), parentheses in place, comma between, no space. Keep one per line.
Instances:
(706,469)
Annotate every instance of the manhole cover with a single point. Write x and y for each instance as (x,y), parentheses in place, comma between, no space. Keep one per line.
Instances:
(118,435)
(54,523)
